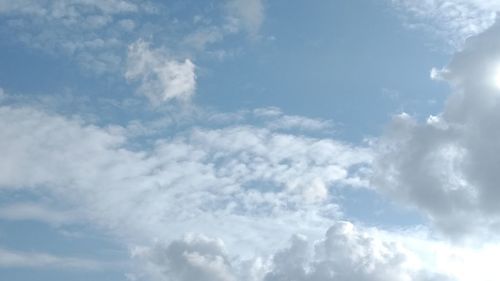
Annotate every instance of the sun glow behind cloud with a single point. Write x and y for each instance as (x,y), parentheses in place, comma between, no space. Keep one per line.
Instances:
(496,77)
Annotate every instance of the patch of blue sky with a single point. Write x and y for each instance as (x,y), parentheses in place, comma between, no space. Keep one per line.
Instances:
(321,61)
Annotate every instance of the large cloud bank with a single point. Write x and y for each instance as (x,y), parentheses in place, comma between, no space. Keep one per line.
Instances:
(448,166)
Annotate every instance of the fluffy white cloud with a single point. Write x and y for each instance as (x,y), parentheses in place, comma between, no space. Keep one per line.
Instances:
(345,253)
(447,166)
(348,253)
(452,21)
(195,257)
(161,78)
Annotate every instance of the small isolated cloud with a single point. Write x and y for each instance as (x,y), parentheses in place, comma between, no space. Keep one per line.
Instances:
(160,77)
(448,166)
(277,120)
(248,14)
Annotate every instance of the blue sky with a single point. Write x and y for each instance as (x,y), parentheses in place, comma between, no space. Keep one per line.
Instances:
(249,140)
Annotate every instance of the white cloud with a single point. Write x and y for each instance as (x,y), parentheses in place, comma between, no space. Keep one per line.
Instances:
(88,31)
(345,253)
(447,166)
(451,21)
(349,253)
(161,78)
(255,178)
(195,257)
(276,119)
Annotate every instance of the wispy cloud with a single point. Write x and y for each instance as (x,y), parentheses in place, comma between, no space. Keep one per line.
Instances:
(35,212)
(91,32)
(248,14)
(450,21)
(17,259)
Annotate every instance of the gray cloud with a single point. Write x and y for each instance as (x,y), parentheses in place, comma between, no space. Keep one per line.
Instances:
(447,166)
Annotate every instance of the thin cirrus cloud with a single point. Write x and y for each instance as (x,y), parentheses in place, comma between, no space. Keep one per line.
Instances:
(92,33)
(450,21)
(17,259)
(36,212)
(96,34)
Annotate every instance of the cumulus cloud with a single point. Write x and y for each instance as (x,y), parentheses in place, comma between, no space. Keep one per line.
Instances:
(447,165)
(161,78)
(196,257)
(346,252)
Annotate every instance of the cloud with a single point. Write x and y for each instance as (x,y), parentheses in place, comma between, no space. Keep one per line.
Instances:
(36,212)
(161,78)
(248,14)
(348,253)
(196,257)
(90,32)
(16,259)
(345,253)
(257,179)
(96,34)
(276,119)
(451,21)
(446,166)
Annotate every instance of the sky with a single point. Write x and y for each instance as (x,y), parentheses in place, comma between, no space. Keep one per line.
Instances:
(249,140)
